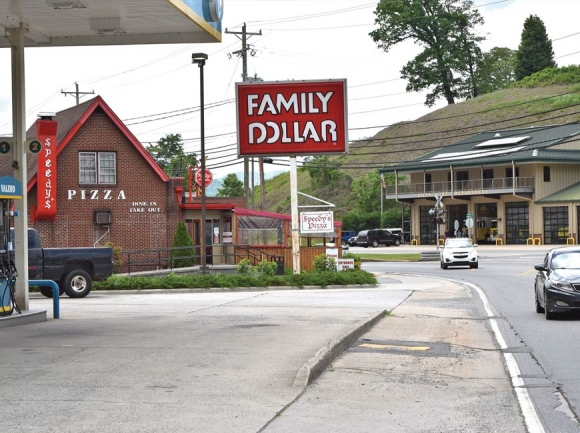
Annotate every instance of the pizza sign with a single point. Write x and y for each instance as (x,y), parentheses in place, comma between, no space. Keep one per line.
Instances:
(291,118)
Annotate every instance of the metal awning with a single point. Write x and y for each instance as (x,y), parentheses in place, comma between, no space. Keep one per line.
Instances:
(58,23)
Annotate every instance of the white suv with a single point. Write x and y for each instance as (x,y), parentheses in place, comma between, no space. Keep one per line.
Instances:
(458,252)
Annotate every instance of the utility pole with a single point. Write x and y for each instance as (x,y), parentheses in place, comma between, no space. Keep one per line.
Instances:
(77,93)
(243,36)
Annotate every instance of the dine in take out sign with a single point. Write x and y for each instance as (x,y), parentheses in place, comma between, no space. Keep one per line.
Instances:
(291,118)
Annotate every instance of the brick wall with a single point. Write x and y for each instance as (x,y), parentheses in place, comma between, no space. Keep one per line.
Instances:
(143,207)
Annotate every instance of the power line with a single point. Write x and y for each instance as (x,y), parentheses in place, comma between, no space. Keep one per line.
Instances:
(481,125)
(407,149)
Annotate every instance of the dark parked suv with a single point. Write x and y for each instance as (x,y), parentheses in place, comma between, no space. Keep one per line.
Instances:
(377,237)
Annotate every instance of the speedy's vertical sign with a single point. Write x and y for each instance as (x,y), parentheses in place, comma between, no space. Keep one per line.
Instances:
(292,118)
(46,170)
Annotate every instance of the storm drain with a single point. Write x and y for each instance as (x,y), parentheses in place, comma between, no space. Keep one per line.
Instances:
(415,348)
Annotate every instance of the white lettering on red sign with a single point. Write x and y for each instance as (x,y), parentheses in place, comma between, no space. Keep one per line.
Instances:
(297,133)
(292,118)
(48,174)
(306,103)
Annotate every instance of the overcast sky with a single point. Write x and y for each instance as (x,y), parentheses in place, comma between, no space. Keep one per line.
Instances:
(151,87)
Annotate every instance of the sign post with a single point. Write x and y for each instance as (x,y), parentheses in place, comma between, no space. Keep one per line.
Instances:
(469,224)
(292,118)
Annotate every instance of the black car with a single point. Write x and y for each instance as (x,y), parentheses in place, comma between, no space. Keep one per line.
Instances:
(557,284)
(352,241)
(377,237)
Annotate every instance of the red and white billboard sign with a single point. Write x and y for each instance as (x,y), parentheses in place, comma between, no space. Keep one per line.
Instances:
(292,118)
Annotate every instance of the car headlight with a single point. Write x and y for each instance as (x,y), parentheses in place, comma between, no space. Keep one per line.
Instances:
(561,285)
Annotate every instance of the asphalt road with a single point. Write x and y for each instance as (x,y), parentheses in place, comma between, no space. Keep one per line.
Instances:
(229,362)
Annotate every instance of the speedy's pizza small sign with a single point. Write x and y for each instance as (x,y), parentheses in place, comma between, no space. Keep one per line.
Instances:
(292,118)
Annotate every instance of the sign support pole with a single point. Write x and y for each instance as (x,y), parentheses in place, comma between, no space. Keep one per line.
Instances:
(295,218)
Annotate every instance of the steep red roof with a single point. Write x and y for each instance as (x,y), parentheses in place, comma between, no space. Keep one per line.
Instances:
(69,123)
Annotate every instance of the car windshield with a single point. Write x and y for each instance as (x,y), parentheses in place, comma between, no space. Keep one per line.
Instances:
(569,260)
(458,243)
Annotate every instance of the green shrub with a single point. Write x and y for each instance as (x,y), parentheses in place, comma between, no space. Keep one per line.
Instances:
(323,263)
(182,257)
(117,256)
(206,281)
(267,268)
(244,266)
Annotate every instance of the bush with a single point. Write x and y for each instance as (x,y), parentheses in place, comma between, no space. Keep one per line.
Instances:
(206,281)
(117,256)
(244,266)
(182,239)
(267,268)
(323,263)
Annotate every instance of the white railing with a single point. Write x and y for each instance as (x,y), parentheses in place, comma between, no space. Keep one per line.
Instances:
(460,187)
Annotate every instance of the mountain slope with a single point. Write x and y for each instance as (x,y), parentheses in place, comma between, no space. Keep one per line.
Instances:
(510,108)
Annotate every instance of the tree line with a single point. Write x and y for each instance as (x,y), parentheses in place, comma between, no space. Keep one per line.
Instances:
(452,64)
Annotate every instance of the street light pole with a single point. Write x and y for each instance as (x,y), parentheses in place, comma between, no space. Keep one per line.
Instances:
(199,59)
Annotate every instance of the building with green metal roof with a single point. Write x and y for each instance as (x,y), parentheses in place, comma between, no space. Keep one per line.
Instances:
(513,186)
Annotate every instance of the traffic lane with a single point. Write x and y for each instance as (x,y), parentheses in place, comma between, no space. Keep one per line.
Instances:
(143,363)
(432,365)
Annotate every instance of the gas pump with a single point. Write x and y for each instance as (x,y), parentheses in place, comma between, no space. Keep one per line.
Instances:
(10,190)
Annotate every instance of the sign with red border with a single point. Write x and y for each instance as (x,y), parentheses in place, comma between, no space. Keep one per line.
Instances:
(291,118)
(46,170)
(208,178)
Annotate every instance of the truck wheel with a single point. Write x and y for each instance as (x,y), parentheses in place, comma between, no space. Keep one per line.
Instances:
(77,283)
(47,291)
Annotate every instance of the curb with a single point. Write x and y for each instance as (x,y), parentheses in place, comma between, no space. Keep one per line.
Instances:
(324,357)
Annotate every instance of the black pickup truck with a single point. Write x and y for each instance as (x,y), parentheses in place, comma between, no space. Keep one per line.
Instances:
(74,269)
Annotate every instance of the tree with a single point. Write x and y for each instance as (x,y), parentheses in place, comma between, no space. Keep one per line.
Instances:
(535,51)
(322,170)
(169,154)
(366,192)
(231,187)
(365,197)
(496,70)
(182,239)
(445,29)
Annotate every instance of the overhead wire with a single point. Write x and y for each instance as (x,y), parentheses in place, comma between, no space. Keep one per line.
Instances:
(372,163)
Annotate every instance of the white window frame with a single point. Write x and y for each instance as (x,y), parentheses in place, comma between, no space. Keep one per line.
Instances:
(100,173)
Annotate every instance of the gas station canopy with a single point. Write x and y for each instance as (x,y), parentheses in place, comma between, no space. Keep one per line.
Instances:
(111,22)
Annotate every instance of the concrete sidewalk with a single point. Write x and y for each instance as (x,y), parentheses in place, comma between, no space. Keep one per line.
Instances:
(217,362)
(430,366)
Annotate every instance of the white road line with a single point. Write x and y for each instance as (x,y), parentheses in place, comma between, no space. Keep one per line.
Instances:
(530,415)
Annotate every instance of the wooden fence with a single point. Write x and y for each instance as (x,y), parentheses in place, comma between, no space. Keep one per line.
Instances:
(307,255)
